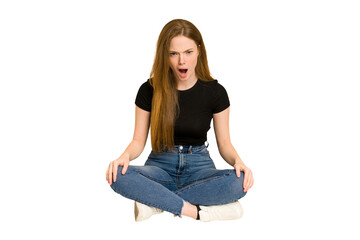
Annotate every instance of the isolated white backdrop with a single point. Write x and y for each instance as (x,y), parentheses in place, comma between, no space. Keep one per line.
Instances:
(70,71)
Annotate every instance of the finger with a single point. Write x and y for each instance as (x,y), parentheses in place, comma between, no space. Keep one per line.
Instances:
(114,170)
(246,179)
(248,186)
(251,181)
(110,174)
(107,172)
(237,170)
(125,167)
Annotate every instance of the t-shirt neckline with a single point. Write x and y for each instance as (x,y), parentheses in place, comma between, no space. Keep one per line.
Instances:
(188,90)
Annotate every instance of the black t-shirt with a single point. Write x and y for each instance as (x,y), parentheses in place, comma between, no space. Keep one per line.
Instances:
(197,106)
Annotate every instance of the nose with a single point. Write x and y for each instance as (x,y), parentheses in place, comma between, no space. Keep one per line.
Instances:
(181,59)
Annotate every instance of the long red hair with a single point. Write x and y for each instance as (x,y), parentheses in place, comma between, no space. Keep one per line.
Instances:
(165,105)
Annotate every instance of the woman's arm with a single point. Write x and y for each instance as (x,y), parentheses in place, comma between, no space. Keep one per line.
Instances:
(222,133)
(226,149)
(141,130)
(135,148)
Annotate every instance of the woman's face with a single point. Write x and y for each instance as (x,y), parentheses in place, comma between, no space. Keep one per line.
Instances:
(183,58)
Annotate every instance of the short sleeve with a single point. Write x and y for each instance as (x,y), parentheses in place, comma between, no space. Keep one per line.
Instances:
(144,96)
(221,99)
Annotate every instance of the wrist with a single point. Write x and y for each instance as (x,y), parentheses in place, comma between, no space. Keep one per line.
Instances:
(126,156)
(238,161)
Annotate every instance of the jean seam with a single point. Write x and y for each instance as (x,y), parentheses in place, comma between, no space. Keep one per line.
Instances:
(200,151)
(153,205)
(186,164)
(179,172)
(208,177)
(201,181)
(233,200)
(154,179)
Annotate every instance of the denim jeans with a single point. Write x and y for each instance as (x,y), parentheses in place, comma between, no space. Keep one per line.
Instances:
(184,174)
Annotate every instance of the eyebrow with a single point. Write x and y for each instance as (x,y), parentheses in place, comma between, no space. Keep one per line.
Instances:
(184,51)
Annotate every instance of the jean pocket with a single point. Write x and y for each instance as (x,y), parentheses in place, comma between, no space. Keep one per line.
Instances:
(202,150)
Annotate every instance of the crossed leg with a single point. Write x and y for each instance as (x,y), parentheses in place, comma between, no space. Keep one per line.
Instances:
(154,187)
(213,187)
(149,185)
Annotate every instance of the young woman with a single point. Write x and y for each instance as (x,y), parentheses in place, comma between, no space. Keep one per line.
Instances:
(178,102)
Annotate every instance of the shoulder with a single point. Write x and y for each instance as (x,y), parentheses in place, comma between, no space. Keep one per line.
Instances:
(144,96)
(213,86)
(217,95)
(147,86)
(210,84)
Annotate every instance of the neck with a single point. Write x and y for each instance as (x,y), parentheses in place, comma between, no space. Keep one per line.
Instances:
(187,84)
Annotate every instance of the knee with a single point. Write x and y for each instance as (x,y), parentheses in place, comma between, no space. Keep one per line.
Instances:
(122,180)
(237,184)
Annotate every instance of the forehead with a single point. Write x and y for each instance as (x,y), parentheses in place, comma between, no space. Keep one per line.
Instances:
(181,43)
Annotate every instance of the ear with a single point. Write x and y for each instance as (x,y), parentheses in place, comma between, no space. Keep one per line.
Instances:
(199,50)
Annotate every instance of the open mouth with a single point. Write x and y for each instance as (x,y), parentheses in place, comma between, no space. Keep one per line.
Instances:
(183,73)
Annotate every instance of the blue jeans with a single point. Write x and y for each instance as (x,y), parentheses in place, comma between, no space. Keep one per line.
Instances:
(184,174)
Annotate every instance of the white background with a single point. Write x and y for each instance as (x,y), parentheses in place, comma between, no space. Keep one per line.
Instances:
(70,71)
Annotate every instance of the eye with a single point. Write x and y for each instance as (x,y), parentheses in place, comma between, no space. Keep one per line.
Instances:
(188,52)
(172,54)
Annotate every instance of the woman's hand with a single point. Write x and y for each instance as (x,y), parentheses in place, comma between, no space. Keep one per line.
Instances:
(113,168)
(248,177)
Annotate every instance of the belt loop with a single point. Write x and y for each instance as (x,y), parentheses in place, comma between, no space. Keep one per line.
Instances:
(206,144)
(190,149)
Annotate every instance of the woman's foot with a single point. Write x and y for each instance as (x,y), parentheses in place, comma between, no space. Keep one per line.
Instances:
(143,212)
(228,211)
